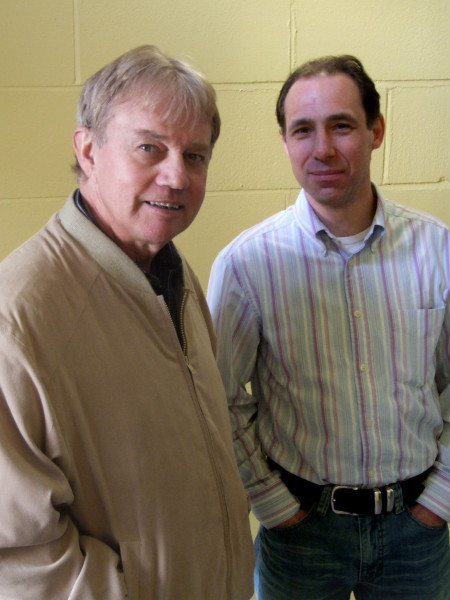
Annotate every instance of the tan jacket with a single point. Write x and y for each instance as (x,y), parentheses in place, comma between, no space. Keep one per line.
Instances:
(118,478)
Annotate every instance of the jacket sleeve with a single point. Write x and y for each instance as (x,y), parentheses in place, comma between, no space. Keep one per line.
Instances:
(239,330)
(42,554)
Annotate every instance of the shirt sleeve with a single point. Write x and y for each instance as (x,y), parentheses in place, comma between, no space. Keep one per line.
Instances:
(42,553)
(238,329)
(436,496)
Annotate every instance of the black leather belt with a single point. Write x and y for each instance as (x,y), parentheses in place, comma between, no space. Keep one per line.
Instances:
(351,500)
(356,501)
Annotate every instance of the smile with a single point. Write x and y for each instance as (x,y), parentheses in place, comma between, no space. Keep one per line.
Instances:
(165,205)
(325,173)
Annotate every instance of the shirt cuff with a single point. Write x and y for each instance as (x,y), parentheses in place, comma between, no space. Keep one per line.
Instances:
(273,504)
(436,496)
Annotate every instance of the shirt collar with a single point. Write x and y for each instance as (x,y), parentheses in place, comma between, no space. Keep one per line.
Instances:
(310,223)
(79,203)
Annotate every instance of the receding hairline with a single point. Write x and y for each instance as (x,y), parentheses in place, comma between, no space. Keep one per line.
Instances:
(344,64)
(156,77)
(154,100)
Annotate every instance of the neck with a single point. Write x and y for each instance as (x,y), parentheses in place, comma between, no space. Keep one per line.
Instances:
(344,221)
(343,226)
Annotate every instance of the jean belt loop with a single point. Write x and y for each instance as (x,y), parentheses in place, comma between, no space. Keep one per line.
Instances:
(398,498)
(323,506)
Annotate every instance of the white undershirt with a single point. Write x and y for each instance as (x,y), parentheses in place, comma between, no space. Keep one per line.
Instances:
(351,244)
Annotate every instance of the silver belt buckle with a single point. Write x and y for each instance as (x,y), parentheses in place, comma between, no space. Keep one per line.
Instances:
(333,499)
(378,501)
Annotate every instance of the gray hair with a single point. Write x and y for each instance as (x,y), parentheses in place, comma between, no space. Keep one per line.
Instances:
(164,83)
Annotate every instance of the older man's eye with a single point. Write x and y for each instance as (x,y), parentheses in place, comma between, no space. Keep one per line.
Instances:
(148,147)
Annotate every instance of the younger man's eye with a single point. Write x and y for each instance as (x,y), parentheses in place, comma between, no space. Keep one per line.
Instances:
(196,157)
(301,131)
(342,126)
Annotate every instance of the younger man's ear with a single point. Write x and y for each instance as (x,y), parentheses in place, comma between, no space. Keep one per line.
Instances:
(378,132)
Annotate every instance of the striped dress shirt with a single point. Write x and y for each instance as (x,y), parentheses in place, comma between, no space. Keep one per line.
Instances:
(348,358)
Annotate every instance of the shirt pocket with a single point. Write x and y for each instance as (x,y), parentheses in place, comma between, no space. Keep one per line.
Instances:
(415,338)
(421,323)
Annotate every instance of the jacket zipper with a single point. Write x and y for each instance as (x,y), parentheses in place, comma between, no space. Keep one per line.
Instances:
(209,444)
(183,333)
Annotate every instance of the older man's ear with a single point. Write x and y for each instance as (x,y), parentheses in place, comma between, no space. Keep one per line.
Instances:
(83,145)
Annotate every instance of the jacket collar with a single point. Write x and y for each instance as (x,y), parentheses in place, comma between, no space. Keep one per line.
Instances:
(100,247)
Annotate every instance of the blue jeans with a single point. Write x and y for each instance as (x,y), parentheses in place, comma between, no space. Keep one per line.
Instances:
(327,556)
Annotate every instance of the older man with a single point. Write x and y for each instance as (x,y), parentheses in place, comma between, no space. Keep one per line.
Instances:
(337,311)
(116,462)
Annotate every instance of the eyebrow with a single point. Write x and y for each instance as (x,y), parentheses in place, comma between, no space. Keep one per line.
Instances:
(157,136)
(148,132)
(343,116)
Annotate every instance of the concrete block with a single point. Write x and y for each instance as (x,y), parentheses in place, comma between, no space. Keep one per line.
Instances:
(36,43)
(249,154)
(19,220)
(418,142)
(36,142)
(230,41)
(394,40)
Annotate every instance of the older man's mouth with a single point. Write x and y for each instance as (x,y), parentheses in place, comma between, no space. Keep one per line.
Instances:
(167,205)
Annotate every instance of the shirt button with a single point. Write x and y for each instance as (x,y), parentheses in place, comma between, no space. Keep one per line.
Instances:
(363,368)
(369,422)
(357,314)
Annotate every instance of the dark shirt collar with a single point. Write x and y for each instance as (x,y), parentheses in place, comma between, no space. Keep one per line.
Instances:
(165,274)
(166,259)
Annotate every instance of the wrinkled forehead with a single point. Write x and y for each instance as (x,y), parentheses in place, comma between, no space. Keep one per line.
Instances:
(174,106)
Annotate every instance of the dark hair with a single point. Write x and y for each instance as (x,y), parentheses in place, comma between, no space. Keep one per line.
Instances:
(332,65)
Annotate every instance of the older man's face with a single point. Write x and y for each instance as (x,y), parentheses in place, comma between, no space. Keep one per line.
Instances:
(145,184)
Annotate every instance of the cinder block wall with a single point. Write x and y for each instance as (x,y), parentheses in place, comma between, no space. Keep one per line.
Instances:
(49,47)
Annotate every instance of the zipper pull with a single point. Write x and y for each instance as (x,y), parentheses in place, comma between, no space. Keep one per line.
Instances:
(188,364)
